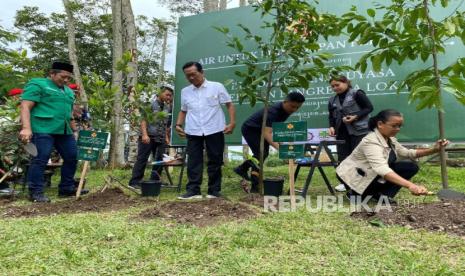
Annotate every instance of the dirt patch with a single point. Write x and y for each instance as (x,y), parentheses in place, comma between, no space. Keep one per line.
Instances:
(6,199)
(253,199)
(110,199)
(200,213)
(445,216)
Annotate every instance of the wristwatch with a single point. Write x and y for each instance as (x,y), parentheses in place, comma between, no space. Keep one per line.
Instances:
(179,125)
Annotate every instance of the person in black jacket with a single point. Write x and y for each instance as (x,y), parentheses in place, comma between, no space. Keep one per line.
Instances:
(349,111)
(252,129)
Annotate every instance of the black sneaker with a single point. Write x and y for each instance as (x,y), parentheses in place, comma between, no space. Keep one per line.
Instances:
(68,193)
(135,186)
(190,195)
(214,195)
(39,198)
(242,172)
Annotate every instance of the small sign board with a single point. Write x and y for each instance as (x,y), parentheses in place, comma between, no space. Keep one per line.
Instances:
(88,154)
(290,131)
(291,151)
(316,135)
(92,139)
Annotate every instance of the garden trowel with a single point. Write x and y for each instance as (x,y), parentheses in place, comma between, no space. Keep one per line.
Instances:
(31,149)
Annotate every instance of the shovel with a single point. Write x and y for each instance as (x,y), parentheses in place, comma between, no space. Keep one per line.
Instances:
(31,149)
(448,194)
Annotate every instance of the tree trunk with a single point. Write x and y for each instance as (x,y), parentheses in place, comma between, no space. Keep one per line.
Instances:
(72,51)
(161,73)
(245,148)
(210,5)
(223,5)
(130,45)
(117,132)
(262,135)
(442,135)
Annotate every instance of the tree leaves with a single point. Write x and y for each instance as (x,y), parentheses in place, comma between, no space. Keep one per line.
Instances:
(371,12)
(46,36)
(450,27)
(458,83)
(403,33)
(376,61)
(289,56)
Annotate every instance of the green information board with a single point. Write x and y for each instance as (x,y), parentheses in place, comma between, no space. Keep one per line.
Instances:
(88,154)
(92,139)
(290,131)
(291,151)
(199,41)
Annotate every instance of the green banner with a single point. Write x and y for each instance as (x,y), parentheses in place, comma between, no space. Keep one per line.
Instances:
(92,139)
(88,154)
(290,132)
(199,41)
(291,151)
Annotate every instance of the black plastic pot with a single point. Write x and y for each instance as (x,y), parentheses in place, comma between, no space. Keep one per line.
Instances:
(150,187)
(273,186)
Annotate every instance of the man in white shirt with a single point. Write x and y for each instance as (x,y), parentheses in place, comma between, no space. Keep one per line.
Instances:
(205,124)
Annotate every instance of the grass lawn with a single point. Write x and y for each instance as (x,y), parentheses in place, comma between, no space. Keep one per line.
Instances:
(295,243)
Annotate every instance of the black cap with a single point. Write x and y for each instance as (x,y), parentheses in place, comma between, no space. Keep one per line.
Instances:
(62,66)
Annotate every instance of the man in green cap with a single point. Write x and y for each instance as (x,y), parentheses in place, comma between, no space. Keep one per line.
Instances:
(46,117)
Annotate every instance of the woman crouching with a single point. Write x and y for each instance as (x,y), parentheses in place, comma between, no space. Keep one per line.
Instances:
(380,165)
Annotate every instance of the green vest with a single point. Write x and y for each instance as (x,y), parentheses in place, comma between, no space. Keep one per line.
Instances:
(51,113)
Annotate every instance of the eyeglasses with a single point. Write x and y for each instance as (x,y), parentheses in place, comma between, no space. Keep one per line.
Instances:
(394,126)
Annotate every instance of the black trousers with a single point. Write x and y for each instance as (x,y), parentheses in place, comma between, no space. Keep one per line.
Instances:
(143,153)
(214,144)
(406,169)
(351,142)
(252,137)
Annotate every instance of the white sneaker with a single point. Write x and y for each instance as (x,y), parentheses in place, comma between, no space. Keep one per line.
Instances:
(190,196)
(211,196)
(340,188)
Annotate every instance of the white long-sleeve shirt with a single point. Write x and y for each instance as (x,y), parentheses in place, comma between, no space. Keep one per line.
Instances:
(204,115)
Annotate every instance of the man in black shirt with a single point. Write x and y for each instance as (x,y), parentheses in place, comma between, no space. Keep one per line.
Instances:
(252,128)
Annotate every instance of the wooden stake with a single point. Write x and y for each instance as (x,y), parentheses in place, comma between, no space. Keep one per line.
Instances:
(5,176)
(81,181)
(107,184)
(291,184)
